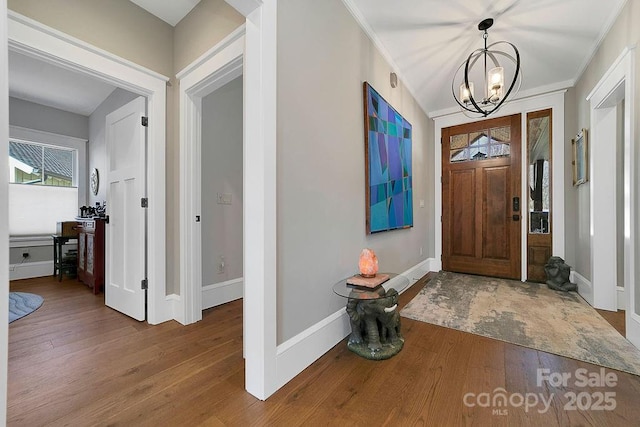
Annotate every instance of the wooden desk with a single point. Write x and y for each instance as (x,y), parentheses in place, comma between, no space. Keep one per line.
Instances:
(58,242)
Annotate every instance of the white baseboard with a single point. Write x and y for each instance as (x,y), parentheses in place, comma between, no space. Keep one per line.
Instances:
(297,353)
(584,286)
(622,302)
(30,241)
(418,271)
(223,292)
(29,270)
(585,289)
(173,305)
(435,264)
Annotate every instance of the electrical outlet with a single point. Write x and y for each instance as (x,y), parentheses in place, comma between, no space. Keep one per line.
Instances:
(221,266)
(25,253)
(421,250)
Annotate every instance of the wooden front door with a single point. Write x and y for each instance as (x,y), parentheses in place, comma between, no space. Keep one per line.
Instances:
(481,212)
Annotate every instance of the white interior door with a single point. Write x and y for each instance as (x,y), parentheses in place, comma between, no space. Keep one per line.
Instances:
(126,229)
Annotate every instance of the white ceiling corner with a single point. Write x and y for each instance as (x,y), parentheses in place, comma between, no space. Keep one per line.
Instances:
(170,11)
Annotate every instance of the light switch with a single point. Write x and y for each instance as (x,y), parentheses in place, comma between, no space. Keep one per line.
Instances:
(224,198)
(421,203)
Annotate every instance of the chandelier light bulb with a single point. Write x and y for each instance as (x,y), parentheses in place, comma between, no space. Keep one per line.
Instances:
(496,82)
(466,93)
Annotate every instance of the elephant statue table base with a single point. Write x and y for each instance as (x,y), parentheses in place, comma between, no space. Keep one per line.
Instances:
(375,324)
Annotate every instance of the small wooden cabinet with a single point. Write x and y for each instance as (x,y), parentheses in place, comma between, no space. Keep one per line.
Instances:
(91,253)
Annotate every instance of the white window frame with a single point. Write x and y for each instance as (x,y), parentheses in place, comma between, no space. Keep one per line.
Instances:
(74,161)
(31,136)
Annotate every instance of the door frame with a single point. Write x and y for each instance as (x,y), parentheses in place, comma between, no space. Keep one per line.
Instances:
(553,100)
(259,64)
(36,40)
(478,169)
(217,67)
(617,83)
(4,212)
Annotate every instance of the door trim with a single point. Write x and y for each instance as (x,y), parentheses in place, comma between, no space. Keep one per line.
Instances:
(555,101)
(34,39)
(218,67)
(603,96)
(259,157)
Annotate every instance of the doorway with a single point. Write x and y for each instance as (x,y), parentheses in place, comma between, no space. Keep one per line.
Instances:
(222,195)
(611,102)
(34,40)
(481,213)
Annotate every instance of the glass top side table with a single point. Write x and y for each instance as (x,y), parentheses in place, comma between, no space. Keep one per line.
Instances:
(375,320)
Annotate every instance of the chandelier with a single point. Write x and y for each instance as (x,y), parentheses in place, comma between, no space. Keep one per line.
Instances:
(483,65)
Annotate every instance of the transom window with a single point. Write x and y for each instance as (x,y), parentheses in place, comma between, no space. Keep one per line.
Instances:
(486,144)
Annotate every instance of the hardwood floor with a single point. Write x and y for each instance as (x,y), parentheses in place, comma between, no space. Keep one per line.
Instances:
(76,362)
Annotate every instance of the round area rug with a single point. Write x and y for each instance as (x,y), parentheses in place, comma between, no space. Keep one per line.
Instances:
(23,303)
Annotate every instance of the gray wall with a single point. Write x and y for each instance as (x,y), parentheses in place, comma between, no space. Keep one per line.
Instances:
(97,143)
(221,157)
(207,24)
(625,32)
(323,58)
(117,26)
(30,115)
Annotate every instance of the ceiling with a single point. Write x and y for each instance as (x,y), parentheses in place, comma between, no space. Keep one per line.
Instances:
(43,83)
(170,11)
(427,40)
(424,40)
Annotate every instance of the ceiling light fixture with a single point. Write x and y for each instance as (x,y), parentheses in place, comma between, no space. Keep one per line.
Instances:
(492,74)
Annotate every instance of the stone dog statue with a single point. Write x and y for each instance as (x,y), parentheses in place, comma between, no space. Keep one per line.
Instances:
(558,275)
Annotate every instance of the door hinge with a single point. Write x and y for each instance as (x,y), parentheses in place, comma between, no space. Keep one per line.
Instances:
(144,202)
(145,121)
(144,284)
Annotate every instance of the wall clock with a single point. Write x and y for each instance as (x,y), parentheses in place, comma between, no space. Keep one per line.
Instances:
(94,181)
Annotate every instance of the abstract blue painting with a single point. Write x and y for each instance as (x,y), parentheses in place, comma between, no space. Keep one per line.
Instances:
(387,141)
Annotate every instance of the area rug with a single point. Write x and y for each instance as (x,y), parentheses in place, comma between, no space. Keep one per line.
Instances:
(527,314)
(23,303)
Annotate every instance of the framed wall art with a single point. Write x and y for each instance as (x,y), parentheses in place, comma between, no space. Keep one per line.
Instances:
(388,169)
(580,158)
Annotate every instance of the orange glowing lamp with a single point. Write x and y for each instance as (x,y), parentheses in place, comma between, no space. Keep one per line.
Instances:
(368,263)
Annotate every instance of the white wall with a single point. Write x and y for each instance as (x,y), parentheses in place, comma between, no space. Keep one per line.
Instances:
(624,33)
(30,115)
(222,174)
(97,142)
(323,58)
